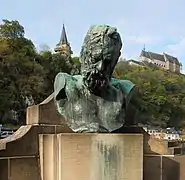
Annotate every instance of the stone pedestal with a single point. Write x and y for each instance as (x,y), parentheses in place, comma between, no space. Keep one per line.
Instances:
(72,156)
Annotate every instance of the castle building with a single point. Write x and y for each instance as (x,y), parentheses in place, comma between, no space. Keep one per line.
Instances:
(63,47)
(164,61)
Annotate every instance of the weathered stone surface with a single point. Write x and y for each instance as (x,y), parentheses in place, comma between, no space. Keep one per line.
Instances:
(44,113)
(19,153)
(91,156)
(24,142)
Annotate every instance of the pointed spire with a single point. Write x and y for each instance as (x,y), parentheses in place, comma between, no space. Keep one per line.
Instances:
(143,52)
(144,48)
(63,47)
(63,38)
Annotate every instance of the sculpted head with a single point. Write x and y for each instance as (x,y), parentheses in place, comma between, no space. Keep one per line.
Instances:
(99,55)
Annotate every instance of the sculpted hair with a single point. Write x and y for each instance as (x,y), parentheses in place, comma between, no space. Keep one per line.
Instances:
(99,44)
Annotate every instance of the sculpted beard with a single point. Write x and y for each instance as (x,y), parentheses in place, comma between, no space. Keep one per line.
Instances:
(95,81)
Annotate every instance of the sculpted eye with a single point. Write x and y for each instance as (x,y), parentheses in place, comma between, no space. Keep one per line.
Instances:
(114,37)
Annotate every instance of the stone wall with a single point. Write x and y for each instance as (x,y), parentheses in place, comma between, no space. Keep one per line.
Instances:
(20,168)
(91,156)
(21,155)
(163,167)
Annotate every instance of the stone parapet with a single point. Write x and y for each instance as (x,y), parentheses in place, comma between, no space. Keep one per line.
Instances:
(44,113)
(19,153)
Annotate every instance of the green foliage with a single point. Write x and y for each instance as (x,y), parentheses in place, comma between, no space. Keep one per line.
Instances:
(11,29)
(25,73)
(53,64)
(76,61)
(162,94)
(20,75)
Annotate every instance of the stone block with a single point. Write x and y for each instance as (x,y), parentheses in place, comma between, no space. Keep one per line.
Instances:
(24,168)
(25,141)
(44,113)
(91,156)
(4,169)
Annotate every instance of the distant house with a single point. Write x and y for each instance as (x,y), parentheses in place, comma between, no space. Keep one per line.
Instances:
(134,62)
(155,132)
(171,136)
(163,61)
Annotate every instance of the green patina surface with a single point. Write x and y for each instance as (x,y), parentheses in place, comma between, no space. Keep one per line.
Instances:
(94,101)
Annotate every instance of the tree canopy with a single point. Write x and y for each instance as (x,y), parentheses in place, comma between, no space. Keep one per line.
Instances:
(162,94)
(27,76)
(11,29)
(21,77)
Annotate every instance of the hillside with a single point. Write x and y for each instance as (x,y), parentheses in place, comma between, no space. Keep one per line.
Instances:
(162,94)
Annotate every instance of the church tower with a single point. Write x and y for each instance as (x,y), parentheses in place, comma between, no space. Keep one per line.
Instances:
(63,47)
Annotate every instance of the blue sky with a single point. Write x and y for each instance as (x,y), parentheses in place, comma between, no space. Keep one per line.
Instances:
(158,24)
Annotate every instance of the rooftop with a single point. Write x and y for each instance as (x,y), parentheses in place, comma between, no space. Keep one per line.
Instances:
(162,57)
(63,37)
(136,62)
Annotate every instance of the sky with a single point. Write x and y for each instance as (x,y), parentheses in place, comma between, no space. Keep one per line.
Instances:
(158,24)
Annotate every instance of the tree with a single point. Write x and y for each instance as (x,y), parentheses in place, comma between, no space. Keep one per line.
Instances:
(77,64)
(27,77)
(21,76)
(11,29)
(162,94)
(53,64)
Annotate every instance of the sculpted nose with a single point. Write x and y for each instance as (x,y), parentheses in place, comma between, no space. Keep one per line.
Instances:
(99,65)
